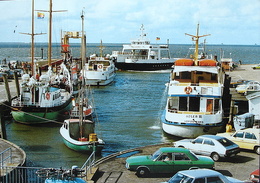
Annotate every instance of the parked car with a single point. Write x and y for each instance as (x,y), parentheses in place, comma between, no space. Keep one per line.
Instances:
(254,176)
(4,68)
(201,176)
(167,160)
(210,145)
(250,86)
(256,66)
(234,84)
(10,74)
(247,138)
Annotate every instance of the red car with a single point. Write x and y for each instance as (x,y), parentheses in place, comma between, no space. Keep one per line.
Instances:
(254,176)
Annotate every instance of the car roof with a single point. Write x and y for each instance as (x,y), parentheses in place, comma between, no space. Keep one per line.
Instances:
(212,137)
(173,149)
(200,173)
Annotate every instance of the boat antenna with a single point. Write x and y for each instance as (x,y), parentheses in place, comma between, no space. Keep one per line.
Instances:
(142,31)
(196,39)
(101,47)
(83,41)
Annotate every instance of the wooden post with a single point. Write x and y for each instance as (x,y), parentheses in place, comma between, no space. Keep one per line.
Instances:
(2,125)
(7,88)
(16,83)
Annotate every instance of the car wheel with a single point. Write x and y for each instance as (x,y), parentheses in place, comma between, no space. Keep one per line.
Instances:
(257,150)
(142,172)
(215,156)
(181,147)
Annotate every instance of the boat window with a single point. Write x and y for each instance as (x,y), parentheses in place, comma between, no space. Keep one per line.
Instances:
(183,104)
(194,103)
(214,77)
(173,103)
(185,75)
(209,105)
(216,105)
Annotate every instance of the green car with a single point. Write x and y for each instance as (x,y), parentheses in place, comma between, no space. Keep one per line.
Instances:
(167,160)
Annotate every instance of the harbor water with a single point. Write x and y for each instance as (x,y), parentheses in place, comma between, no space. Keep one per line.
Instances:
(128,110)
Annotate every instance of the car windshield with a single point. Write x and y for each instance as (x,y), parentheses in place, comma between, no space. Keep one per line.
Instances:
(156,154)
(178,177)
(225,142)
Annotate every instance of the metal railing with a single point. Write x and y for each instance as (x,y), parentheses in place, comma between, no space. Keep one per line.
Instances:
(87,166)
(20,175)
(6,155)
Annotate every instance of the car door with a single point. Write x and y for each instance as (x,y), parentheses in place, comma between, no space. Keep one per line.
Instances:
(163,164)
(208,147)
(196,145)
(249,141)
(181,161)
(238,138)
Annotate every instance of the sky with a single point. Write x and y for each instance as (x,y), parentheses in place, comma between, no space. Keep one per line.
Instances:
(118,21)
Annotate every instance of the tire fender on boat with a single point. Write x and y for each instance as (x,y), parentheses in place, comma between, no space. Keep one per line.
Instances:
(187,89)
(100,66)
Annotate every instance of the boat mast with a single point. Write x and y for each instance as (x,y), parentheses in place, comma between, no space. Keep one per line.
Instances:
(196,39)
(82,91)
(50,36)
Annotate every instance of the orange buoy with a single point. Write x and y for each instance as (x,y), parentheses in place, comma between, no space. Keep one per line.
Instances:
(188,90)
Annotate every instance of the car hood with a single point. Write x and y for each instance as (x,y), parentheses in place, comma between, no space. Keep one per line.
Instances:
(206,159)
(138,159)
(182,141)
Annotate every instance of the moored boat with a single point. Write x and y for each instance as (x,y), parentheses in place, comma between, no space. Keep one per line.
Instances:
(195,97)
(99,70)
(43,98)
(78,132)
(141,55)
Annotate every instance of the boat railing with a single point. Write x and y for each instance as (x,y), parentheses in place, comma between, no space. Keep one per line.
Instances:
(88,165)
(188,112)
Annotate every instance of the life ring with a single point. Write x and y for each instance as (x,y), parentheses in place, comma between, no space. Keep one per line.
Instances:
(100,66)
(48,96)
(188,90)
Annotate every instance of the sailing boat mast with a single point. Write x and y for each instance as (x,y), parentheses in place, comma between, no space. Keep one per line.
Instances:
(50,35)
(196,39)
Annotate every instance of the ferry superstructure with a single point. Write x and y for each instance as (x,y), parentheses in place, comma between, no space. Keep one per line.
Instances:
(195,92)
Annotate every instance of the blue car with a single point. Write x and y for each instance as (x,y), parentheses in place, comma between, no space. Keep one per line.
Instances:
(201,176)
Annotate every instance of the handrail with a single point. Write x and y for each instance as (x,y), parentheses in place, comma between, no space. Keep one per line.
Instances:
(3,158)
(89,163)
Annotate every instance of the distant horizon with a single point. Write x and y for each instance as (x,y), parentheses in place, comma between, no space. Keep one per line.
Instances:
(57,43)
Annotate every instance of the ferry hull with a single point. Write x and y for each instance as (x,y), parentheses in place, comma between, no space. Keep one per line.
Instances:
(143,66)
(35,115)
(191,131)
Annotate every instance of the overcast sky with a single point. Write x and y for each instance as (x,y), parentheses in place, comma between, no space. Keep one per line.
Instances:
(118,21)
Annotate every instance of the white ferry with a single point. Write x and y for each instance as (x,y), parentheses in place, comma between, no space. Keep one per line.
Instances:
(141,55)
(195,92)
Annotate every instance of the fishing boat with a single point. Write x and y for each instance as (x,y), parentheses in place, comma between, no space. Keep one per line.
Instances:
(99,70)
(141,55)
(43,98)
(79,133)
(195,103)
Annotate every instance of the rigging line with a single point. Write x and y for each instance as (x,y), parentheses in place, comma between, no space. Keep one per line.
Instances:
(95,112)
(32,114)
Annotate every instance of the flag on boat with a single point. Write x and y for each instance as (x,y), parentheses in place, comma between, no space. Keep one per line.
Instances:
(40,15)
(157,38)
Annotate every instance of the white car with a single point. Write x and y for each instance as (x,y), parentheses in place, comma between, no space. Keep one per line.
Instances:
(250,86)
(201,176)
(4,68)
(210,145)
